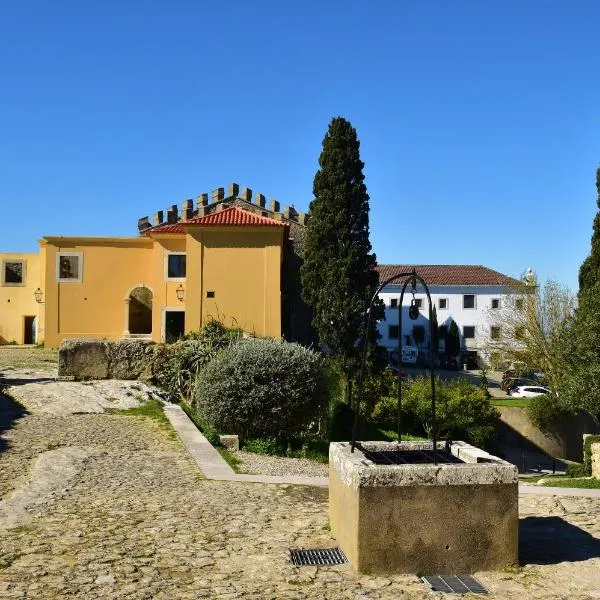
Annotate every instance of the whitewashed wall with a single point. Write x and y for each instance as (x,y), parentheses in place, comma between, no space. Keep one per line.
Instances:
(482,317)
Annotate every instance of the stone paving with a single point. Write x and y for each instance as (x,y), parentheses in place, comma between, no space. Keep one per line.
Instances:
(131,516)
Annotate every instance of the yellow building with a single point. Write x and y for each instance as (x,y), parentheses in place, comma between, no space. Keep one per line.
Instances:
(216,261)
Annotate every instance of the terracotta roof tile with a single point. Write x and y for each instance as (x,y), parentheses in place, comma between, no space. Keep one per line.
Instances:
(230,216)
(449,274)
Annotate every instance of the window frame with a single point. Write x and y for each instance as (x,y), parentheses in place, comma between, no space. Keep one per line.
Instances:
(168,254)
(497,300)
(23,282)
(499,329)
(419,303)
(447,301)
(393,302)
(474,307)
(469,337)
(390,336)
(79,277)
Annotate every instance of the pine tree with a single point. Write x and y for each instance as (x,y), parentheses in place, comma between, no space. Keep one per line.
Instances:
(434,322)
(589,273)
(338,274)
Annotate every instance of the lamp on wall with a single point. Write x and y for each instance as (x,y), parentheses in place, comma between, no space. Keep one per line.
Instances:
(38,295)
(180,291)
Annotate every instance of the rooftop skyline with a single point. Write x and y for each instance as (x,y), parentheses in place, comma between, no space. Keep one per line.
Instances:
(479,123)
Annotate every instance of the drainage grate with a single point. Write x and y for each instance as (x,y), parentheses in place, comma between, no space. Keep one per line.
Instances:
(457,584)
(326,557)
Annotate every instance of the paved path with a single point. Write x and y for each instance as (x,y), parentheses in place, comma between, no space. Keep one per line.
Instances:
(132,516)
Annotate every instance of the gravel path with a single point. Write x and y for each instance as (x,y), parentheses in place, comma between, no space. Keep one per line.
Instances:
(132,517)
(276,465)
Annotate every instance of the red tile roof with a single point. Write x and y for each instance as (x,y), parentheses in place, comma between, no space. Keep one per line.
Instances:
(230,216)
(449,274)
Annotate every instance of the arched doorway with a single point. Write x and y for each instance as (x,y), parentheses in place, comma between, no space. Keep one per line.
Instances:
(140,311)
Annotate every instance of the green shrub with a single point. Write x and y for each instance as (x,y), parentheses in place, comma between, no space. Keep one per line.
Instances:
(463,410)
(176,365)
(546,410)
(577,470)
(585,469)
(261,388)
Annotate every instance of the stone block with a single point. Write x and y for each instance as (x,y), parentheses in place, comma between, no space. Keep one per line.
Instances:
(231,442)
(130,359)
(423,518)
(83,359)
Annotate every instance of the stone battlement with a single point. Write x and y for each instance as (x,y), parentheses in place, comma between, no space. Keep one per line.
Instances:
(219,200)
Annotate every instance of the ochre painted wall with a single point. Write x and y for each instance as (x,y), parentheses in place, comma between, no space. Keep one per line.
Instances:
(96,306)
(242,267)
(18,301)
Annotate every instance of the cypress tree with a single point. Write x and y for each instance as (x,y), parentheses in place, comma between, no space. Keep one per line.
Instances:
(589,272)
(453,340)
(338,274)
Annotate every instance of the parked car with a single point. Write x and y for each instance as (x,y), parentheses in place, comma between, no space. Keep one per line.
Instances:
(527,391)
(399,373)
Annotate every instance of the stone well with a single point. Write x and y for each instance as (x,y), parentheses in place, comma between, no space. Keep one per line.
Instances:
(448,518)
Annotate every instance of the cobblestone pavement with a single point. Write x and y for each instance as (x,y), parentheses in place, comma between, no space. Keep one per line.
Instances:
(132,517)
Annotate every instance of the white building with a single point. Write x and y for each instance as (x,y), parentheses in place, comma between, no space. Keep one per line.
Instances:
(471,295)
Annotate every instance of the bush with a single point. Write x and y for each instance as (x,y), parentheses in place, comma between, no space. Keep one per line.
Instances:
(463,410)
(176,366)
(585,469)
(545,410)
(261,388)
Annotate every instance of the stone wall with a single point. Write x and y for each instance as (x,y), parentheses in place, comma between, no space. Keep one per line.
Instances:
(564,441)
(101,359)
(596,460)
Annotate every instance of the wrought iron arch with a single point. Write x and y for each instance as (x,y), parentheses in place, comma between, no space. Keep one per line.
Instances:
(409,278)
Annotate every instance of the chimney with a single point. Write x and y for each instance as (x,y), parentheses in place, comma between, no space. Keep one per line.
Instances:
(234,190)
(187,210)
(218,195)
(143,224)
(157,219)
(246,194)
(202,200)
(260,200)
(274,205)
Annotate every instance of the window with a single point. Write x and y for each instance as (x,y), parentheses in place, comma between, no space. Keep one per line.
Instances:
(176,266)
(519,333)
(393,332)
(495,303)
(469,301)
(443,303)
(407,340)
(469,331)
(13,272)
(394,303)
(69,267)
(519,303)
(495,332)
(419,303)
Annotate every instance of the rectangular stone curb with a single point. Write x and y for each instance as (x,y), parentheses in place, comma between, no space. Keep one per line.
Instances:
(212,464)
(209,460)
(542,490)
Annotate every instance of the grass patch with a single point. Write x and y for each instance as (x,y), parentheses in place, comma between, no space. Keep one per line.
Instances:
(30,358)
(515,402)
(570,482)
(392,436)
(151,409)
(230,458)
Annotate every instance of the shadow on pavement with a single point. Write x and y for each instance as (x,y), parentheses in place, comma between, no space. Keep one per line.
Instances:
(10,412)
(552,540)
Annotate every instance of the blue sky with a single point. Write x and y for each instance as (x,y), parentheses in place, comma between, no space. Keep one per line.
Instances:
(479,121)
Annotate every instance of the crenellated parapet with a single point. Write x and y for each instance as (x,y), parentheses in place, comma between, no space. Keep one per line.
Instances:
(221,198)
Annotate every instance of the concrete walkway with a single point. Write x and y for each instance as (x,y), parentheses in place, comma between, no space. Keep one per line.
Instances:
(215,467)
(210,461)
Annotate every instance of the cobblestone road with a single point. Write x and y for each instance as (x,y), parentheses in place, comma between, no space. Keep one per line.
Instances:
(130,516)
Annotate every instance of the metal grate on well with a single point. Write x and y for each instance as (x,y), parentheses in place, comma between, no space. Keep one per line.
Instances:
(326,557)
(408,457)
(454,584)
